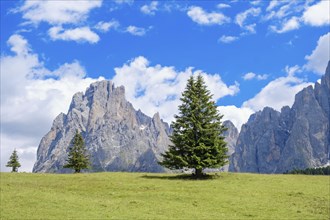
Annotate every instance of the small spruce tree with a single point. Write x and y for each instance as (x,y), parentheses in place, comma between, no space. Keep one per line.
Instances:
(78,159)
(13,162)
(197,132)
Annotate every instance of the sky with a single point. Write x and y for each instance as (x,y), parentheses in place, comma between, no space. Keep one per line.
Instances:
(251,54)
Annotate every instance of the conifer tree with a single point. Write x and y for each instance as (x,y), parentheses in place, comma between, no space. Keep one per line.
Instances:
(13,162)
(197,132)
(78,159)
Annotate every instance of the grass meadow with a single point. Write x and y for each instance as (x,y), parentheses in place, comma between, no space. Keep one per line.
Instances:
(163,196)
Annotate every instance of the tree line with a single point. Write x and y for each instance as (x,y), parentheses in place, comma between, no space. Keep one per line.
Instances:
(311,171)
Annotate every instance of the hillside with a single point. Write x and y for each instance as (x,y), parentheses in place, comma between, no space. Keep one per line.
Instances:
(163,196)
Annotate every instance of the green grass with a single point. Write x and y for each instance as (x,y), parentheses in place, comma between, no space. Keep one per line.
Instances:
(163,196)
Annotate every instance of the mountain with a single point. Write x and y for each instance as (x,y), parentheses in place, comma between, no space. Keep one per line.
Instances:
(118,137)
(295,138)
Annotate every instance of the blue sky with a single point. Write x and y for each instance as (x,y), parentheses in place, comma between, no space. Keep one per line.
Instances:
(252,54)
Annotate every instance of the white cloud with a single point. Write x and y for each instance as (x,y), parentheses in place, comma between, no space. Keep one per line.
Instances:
(262,77)
(318,59)
(30,101)
(150,9)
(227,39)
(18,45)
(223,5)
(137,31)
(241,17)
(318,14)
(106,26)
(26,151)
(158,88)
(198,15)
(279,10)
(251,28)
(292,70)
(289,25)
(256,2)
(278,93)
(57,12)
(81,34)
(251,75)
(273,4)
(238,116)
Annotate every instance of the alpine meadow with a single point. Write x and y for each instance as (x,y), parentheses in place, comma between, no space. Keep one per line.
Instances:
(163,196)
(136,109)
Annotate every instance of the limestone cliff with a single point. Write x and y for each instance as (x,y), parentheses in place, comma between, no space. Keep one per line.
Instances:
(118,137)
(297,137)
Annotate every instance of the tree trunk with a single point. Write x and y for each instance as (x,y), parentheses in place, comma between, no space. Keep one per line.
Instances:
(198,173)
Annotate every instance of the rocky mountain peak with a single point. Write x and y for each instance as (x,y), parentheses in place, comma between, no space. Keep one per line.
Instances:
(117,137)
(295,138)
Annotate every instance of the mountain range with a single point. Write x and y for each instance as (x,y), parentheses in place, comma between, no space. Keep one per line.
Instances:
(295,138)
(120,138)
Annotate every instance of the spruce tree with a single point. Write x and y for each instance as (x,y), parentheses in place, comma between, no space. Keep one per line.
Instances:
(13,162)
(78,158)
(197,140)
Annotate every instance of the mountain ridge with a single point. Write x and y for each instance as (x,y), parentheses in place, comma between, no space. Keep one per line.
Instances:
(295,138)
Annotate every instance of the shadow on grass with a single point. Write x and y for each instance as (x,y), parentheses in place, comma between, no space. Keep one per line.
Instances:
(182,177)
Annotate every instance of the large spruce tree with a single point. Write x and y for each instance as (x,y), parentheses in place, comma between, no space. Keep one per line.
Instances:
(13,162)
(197,132)
(78,159)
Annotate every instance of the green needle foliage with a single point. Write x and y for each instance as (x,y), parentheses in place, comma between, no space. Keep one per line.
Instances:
(197,140)
(78,158)
(13,162)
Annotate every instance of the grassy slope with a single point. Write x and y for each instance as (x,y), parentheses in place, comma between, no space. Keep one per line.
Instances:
(161,196)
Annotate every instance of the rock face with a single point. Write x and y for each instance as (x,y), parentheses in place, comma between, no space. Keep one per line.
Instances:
(231,136)
(117,137)
(297,137)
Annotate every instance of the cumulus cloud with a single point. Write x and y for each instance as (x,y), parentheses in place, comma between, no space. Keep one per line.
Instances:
(81,34)
(57,12)
(238,116)
(279,92)
(198,15)
(137,31)
(251,75)
(18,45)
(158,88)
(106,26)
(291,15)
(318,14)
(287,25)
(318,59)
(31,97)
(150,9)
(227,39)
